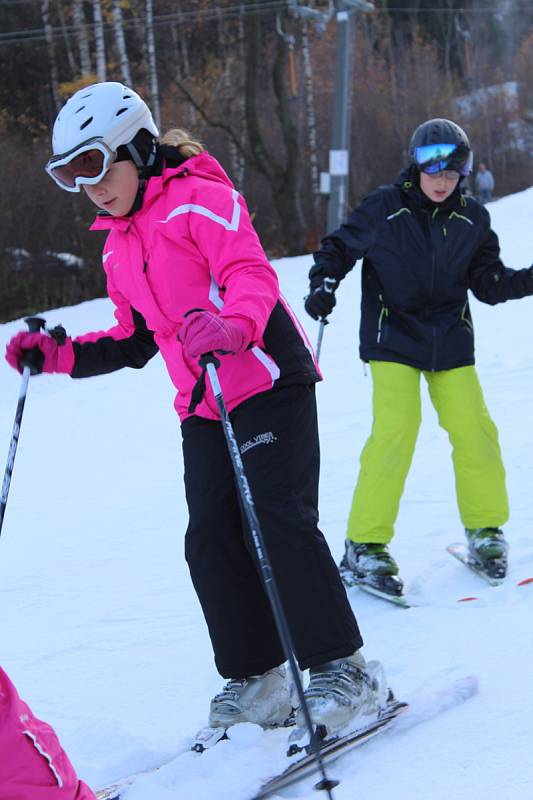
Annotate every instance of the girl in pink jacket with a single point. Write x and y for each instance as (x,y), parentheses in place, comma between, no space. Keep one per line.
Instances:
(187,275)
(33,765)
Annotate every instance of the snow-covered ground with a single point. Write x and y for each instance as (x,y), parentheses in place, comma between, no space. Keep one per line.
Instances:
(100,628)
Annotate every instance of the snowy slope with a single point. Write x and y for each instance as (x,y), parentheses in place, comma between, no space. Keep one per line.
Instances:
(102,633)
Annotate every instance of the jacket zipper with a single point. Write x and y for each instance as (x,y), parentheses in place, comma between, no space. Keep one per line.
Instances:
(433,272)
(383,313)
(465,319)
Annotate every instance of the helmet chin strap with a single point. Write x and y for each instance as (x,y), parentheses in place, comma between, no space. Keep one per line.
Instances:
(145,171)
(143,167)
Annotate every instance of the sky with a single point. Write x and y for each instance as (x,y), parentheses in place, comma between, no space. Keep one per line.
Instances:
(103,635)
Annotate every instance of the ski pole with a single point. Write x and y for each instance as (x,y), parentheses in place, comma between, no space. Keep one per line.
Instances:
(211,363)
(323,323)
(31,367)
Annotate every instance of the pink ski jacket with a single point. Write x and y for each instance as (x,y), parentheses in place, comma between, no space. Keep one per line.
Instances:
(33,765)
(192,246)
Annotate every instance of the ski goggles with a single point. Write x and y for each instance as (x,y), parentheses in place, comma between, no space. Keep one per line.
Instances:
(433,158)
(86,163)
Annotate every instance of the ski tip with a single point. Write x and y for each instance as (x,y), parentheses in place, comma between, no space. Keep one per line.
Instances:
(466,599)
(525,582)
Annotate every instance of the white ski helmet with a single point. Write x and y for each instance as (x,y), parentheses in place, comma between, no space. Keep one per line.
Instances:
(108,110)
(104,115)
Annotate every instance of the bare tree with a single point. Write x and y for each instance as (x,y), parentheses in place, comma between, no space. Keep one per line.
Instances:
(241,168)
(120,42)
(49,34)
(101,70)
(235,154)
(83,39)
(73,69)
(283,176)
(152,67)
(179,41)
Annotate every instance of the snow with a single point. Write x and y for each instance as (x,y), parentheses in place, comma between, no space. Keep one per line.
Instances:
(505,94)
(102,632)
(69,259)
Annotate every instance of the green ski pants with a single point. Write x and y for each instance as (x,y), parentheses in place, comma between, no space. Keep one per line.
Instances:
(386,457)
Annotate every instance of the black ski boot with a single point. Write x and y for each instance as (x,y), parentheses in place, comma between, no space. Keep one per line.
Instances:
(370,565)
(488,548)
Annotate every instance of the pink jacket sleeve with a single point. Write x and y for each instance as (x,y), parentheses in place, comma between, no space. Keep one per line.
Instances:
(33,765)
(225,235)
(123,314)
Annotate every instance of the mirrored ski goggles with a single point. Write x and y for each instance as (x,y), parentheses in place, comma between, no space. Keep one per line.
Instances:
(433,158)
(86,163)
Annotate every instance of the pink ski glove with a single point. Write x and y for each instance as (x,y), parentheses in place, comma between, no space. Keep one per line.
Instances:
(57,358)
(204,332)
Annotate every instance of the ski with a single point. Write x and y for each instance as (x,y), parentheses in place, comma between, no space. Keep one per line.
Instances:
(206,738)
(396,716)
(396,599)
(460,552)
(114,791)
(350,581)
(330,750)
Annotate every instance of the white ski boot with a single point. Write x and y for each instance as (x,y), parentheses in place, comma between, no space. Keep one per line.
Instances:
(262,699)
(343,694)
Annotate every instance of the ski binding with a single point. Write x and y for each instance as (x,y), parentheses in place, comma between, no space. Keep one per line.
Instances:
(330,749)
(350,580)
(208,737)
(460,552)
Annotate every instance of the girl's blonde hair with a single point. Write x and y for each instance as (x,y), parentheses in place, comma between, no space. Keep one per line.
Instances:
(177,137)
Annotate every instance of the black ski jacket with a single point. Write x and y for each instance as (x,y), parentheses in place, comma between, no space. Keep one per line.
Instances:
(419,260)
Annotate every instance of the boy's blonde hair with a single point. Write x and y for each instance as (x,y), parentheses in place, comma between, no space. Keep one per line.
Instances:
(177,137)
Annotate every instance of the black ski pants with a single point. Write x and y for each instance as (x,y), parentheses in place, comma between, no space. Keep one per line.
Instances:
(277,434)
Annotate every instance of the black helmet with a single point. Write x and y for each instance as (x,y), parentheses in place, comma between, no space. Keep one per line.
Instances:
(440,144)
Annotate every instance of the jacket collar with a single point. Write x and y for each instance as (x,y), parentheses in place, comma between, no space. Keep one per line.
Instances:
(408,181)
(202,166)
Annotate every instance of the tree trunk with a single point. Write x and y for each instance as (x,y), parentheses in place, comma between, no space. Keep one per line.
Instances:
(288,197)
(83,40)
(284,180)
(70,55)
(152,69)
(99,41)
(241,168)
(120,42)
(227,83)
(49,35)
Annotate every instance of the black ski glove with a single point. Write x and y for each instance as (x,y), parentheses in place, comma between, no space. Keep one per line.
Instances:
(321,298)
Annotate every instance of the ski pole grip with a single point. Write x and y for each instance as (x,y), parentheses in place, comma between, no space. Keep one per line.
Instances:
(34,358)
(209,358)
(35,324)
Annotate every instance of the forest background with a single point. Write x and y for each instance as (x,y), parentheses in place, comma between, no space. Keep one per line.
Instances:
(254,81)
